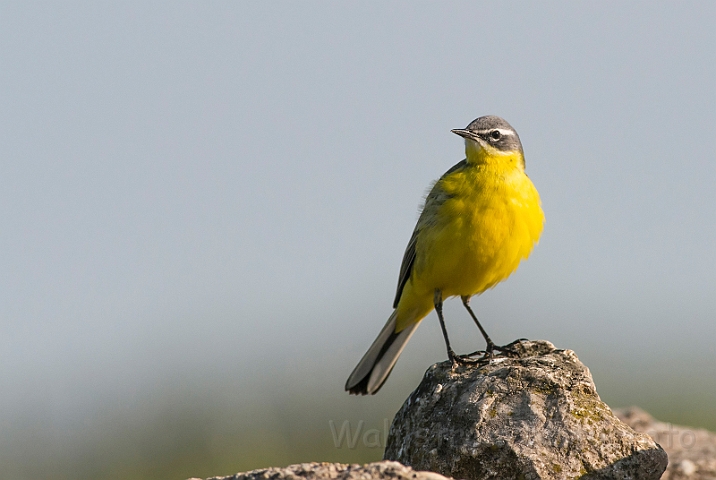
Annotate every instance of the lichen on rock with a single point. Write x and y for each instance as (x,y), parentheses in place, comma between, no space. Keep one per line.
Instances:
(532,415)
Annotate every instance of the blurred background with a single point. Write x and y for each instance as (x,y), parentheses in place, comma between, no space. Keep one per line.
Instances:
(204,206)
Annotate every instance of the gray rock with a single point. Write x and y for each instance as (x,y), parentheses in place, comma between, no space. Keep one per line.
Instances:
(533,415)
(379,470)
(692,451)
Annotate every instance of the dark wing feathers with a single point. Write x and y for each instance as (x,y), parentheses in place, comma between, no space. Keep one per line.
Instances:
(407,266)
(433,200)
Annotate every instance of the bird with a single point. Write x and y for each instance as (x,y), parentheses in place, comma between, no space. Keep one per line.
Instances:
(479,221)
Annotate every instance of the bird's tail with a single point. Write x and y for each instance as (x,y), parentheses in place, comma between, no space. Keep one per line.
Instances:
(377,363)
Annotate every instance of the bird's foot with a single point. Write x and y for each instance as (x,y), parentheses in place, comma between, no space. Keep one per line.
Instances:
(509,350)
(461,360)
(513,349)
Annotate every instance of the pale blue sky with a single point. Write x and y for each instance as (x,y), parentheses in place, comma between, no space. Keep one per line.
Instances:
(218,190)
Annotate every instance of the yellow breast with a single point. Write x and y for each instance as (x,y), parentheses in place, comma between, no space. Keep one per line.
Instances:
(488,220)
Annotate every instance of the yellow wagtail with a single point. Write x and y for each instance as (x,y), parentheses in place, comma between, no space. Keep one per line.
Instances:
(481,218)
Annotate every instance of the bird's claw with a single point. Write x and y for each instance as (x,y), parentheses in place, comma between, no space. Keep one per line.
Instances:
(508,350)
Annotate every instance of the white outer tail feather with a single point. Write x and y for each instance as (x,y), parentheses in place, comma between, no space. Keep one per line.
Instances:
(377,366)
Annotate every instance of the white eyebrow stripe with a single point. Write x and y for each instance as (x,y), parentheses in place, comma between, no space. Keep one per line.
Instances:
(503,131)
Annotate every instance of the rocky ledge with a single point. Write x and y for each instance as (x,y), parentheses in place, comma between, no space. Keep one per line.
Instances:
(534,414)
(338,471)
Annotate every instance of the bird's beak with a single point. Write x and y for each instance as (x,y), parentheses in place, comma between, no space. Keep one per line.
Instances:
(466,134)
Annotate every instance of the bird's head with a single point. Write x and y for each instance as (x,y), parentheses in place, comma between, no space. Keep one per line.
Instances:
(490,139)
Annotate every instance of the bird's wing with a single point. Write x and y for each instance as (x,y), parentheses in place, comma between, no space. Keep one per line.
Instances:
(434,199)
(407,266)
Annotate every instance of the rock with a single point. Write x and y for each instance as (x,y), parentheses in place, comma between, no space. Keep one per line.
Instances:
(379,470)
(692,451)
(533,415)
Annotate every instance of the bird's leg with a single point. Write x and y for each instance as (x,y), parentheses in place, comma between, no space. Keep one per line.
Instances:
(490,344)
(491,347)
(452,356)
(438,302)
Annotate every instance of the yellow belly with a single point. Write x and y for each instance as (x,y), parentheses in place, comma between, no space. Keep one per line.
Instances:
(474,240)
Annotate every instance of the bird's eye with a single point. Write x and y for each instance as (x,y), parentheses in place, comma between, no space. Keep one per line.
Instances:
(495,134)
